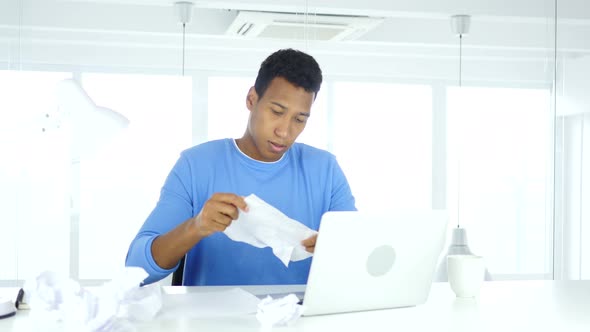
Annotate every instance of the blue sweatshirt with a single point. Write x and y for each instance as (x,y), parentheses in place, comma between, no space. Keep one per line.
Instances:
(303,184)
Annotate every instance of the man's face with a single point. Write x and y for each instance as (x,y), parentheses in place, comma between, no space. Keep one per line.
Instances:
(276,119)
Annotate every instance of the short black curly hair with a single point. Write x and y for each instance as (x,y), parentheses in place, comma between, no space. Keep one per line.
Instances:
(298,68)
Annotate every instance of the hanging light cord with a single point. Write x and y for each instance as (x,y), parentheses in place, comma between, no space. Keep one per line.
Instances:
(458,166)
(183,43)
(460,56)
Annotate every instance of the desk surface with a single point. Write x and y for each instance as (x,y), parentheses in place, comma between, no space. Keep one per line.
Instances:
(501,306)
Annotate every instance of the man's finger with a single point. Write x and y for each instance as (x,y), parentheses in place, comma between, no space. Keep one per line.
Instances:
(226,209)
(222,219)
(310,241)
(233,199)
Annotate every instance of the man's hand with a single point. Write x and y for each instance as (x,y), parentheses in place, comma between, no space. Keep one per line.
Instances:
(218,213)
(309,243)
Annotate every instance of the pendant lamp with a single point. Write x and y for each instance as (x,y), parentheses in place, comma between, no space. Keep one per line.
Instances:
(458,246)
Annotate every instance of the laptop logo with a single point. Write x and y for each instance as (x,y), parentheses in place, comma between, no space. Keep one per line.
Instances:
(381,260)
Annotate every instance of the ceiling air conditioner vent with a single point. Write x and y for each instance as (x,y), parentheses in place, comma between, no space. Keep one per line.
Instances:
(301,26)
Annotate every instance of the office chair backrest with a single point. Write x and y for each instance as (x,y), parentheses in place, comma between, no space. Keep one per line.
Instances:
(178,275)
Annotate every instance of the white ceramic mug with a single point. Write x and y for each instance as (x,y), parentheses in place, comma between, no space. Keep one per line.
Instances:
(466,274)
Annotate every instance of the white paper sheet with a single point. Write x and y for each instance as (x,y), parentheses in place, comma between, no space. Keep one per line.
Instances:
(265,226)
(233,302)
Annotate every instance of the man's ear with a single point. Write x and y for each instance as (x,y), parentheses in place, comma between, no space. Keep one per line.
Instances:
(251,98)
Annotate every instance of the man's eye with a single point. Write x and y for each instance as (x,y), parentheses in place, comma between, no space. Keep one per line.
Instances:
(301,120)
(276,112)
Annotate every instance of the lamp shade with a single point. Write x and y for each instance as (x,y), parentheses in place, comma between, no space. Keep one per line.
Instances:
(90,125)
(184,10)
(460,24)
(458,246)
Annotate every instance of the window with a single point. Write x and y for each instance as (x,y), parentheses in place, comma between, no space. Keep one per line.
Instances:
(85,212)
(227,113)
(383,141)
(120,184)
(499,168)
(34,173)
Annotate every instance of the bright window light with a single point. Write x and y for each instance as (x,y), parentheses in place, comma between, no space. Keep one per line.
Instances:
(498,171)
(34,177)
(227,113)
(120,184)
(383,141)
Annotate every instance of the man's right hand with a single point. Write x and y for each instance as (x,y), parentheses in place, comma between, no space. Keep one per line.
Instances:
(218,213)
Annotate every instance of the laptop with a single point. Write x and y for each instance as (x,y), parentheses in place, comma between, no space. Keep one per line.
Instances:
(368,261)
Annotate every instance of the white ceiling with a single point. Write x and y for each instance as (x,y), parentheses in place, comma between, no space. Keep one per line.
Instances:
(516,35)
(573,9)
(495,23)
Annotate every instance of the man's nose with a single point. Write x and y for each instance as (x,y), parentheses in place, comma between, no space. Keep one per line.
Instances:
(282,128)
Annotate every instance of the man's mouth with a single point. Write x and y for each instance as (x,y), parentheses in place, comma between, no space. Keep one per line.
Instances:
(277,148)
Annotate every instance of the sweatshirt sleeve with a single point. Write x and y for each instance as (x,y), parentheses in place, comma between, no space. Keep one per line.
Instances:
(174,207)
(342,198)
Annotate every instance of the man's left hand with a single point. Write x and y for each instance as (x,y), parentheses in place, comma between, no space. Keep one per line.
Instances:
(309,243)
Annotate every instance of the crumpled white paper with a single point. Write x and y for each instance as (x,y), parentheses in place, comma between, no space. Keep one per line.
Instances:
(110,307)
(279,312)
(265,226)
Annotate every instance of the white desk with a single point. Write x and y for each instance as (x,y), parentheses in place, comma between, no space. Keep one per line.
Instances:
(502,306)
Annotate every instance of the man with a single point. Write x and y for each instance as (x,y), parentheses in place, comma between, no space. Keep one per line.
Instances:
(205,190)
